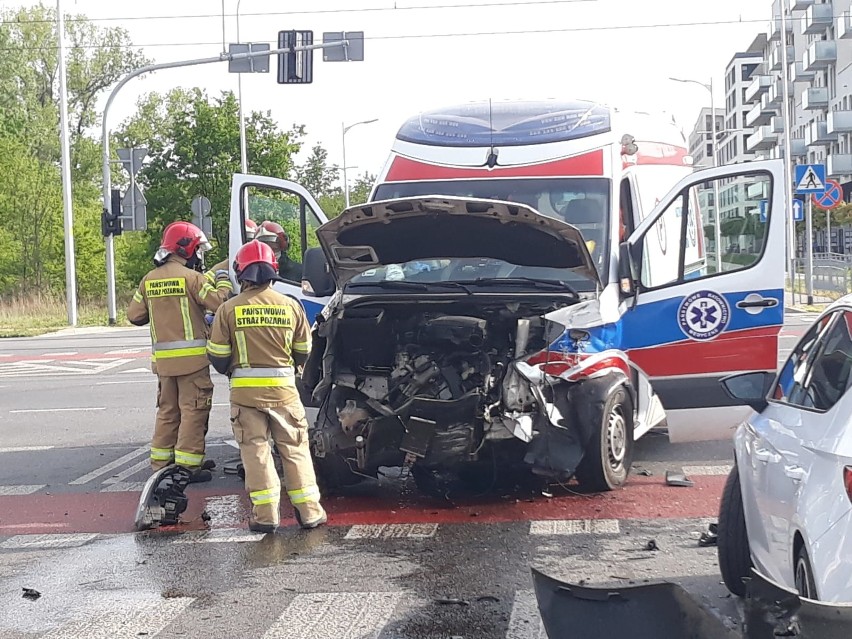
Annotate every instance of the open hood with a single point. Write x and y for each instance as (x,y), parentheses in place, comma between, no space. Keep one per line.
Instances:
(421,228)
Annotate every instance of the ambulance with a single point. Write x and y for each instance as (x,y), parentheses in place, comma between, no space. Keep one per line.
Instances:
(532,283)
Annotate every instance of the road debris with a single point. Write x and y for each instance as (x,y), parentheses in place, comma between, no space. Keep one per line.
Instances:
(488,599)
(31,594)
(652,545)
(678,479)
(452,602)
(644,472)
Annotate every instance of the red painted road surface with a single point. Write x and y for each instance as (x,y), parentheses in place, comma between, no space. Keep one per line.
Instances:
(72,358)
(642,498)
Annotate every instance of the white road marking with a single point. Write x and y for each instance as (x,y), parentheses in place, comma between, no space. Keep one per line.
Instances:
(128,472)
(226,511)
(124,351)
(125,487)
(48,541)
(712,469)
(103,470)
(220,536)
(575,527)
(136,370)
(24,449)
(232,443)
(335,615)
(525,621)
(23,489)
(221,404)
(33,525)
(116,618)
(127,381)
(79,409)
(57,354)
(392,531)
(46,368)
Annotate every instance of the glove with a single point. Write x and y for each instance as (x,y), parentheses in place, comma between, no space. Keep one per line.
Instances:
(208,318)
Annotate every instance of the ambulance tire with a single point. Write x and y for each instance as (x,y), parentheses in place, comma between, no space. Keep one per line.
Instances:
(333,473)
(607,461)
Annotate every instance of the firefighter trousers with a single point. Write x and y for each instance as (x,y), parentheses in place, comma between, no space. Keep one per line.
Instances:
(288,429)
(183,412)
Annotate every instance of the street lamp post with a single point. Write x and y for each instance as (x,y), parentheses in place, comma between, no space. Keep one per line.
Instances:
(243,150)
(68,217)
(345,179)
(717,227)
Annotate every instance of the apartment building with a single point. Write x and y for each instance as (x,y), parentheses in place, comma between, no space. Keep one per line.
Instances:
(701,139)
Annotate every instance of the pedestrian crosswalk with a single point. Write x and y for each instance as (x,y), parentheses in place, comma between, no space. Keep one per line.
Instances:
(447,580)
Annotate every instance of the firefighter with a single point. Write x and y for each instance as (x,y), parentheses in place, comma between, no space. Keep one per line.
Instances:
(173,298)
(218,273)
(276,237)
(258,338)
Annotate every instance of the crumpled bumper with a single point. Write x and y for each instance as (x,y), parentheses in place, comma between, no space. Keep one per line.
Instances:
(664,610)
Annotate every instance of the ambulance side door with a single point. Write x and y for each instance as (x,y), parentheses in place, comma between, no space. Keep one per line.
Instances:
(686,328)
(261,198)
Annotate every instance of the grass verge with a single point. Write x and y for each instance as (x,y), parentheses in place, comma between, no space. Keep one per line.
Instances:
(31,315)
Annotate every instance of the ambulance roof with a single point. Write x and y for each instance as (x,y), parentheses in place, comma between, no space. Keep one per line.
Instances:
(507,123)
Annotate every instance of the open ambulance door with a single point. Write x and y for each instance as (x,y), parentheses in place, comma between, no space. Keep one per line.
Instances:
(687,328)
(261,198)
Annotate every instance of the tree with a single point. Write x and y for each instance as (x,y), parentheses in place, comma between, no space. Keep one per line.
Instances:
(31,230)
(317,175)
(193,143)
(333,204)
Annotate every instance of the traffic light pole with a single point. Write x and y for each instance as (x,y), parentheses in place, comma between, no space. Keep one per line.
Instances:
(107,185)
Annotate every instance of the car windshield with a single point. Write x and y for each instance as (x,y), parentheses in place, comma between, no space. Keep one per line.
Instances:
(582,202)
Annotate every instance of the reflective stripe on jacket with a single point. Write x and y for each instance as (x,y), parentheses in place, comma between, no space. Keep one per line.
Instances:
(258,331)
(172,299)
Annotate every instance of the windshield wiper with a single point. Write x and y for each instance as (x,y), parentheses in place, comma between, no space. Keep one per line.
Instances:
(414,286)
(536,282)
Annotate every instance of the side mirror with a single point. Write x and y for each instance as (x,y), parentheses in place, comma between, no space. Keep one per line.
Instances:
(316,276)
(749,389)
(628,270)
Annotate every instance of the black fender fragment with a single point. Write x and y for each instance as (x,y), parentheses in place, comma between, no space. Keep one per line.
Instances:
(558,449)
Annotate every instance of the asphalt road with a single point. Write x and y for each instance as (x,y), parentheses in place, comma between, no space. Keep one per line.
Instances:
(75,418)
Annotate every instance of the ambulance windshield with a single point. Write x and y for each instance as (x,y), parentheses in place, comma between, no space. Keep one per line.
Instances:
(582,202)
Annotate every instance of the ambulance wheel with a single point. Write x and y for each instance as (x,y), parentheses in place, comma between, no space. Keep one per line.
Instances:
(607,461)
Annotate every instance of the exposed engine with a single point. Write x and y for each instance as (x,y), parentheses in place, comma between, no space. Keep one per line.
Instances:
(422,384)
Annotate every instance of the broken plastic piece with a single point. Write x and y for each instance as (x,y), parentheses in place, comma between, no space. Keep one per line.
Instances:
(31,594)
(678,479)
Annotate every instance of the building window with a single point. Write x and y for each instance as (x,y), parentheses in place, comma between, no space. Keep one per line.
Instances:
(709,150)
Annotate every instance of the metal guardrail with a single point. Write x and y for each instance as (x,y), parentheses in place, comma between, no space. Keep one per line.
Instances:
(830,274)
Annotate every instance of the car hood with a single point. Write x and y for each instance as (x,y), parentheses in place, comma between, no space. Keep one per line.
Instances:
(421,228)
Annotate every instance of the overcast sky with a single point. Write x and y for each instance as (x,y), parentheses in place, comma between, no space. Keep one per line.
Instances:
(619,51)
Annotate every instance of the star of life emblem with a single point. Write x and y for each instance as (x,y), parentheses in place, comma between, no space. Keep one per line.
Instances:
(703,315)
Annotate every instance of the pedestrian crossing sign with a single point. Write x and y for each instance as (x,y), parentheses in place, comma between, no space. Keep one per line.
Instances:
(810,178)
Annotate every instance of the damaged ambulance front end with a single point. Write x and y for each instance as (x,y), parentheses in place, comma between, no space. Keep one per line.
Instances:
(465,337)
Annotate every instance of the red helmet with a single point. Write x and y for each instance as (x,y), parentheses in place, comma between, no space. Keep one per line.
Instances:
(251,229)
(273,234)
(254,252)
(184,240)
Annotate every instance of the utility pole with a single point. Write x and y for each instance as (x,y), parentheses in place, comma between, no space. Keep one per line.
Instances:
(788,175)
(345,179)
(67,212)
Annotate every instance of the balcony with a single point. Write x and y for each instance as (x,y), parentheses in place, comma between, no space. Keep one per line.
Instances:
(837,165)
(844,26)
(839,121)
(759,85)
(815,98)
(817,18)
(820,55)
(777,124)
(759,115)
(801,5)
(775,57)
(798,148)
(816,134)
(762,139)
(775,31)
(798,73)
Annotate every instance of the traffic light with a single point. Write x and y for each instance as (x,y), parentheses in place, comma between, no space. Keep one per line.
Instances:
(110,222)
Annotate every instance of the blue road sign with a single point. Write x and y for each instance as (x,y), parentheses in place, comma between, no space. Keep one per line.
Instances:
(810,178)
(832,196)
(763,205)
(798,210)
